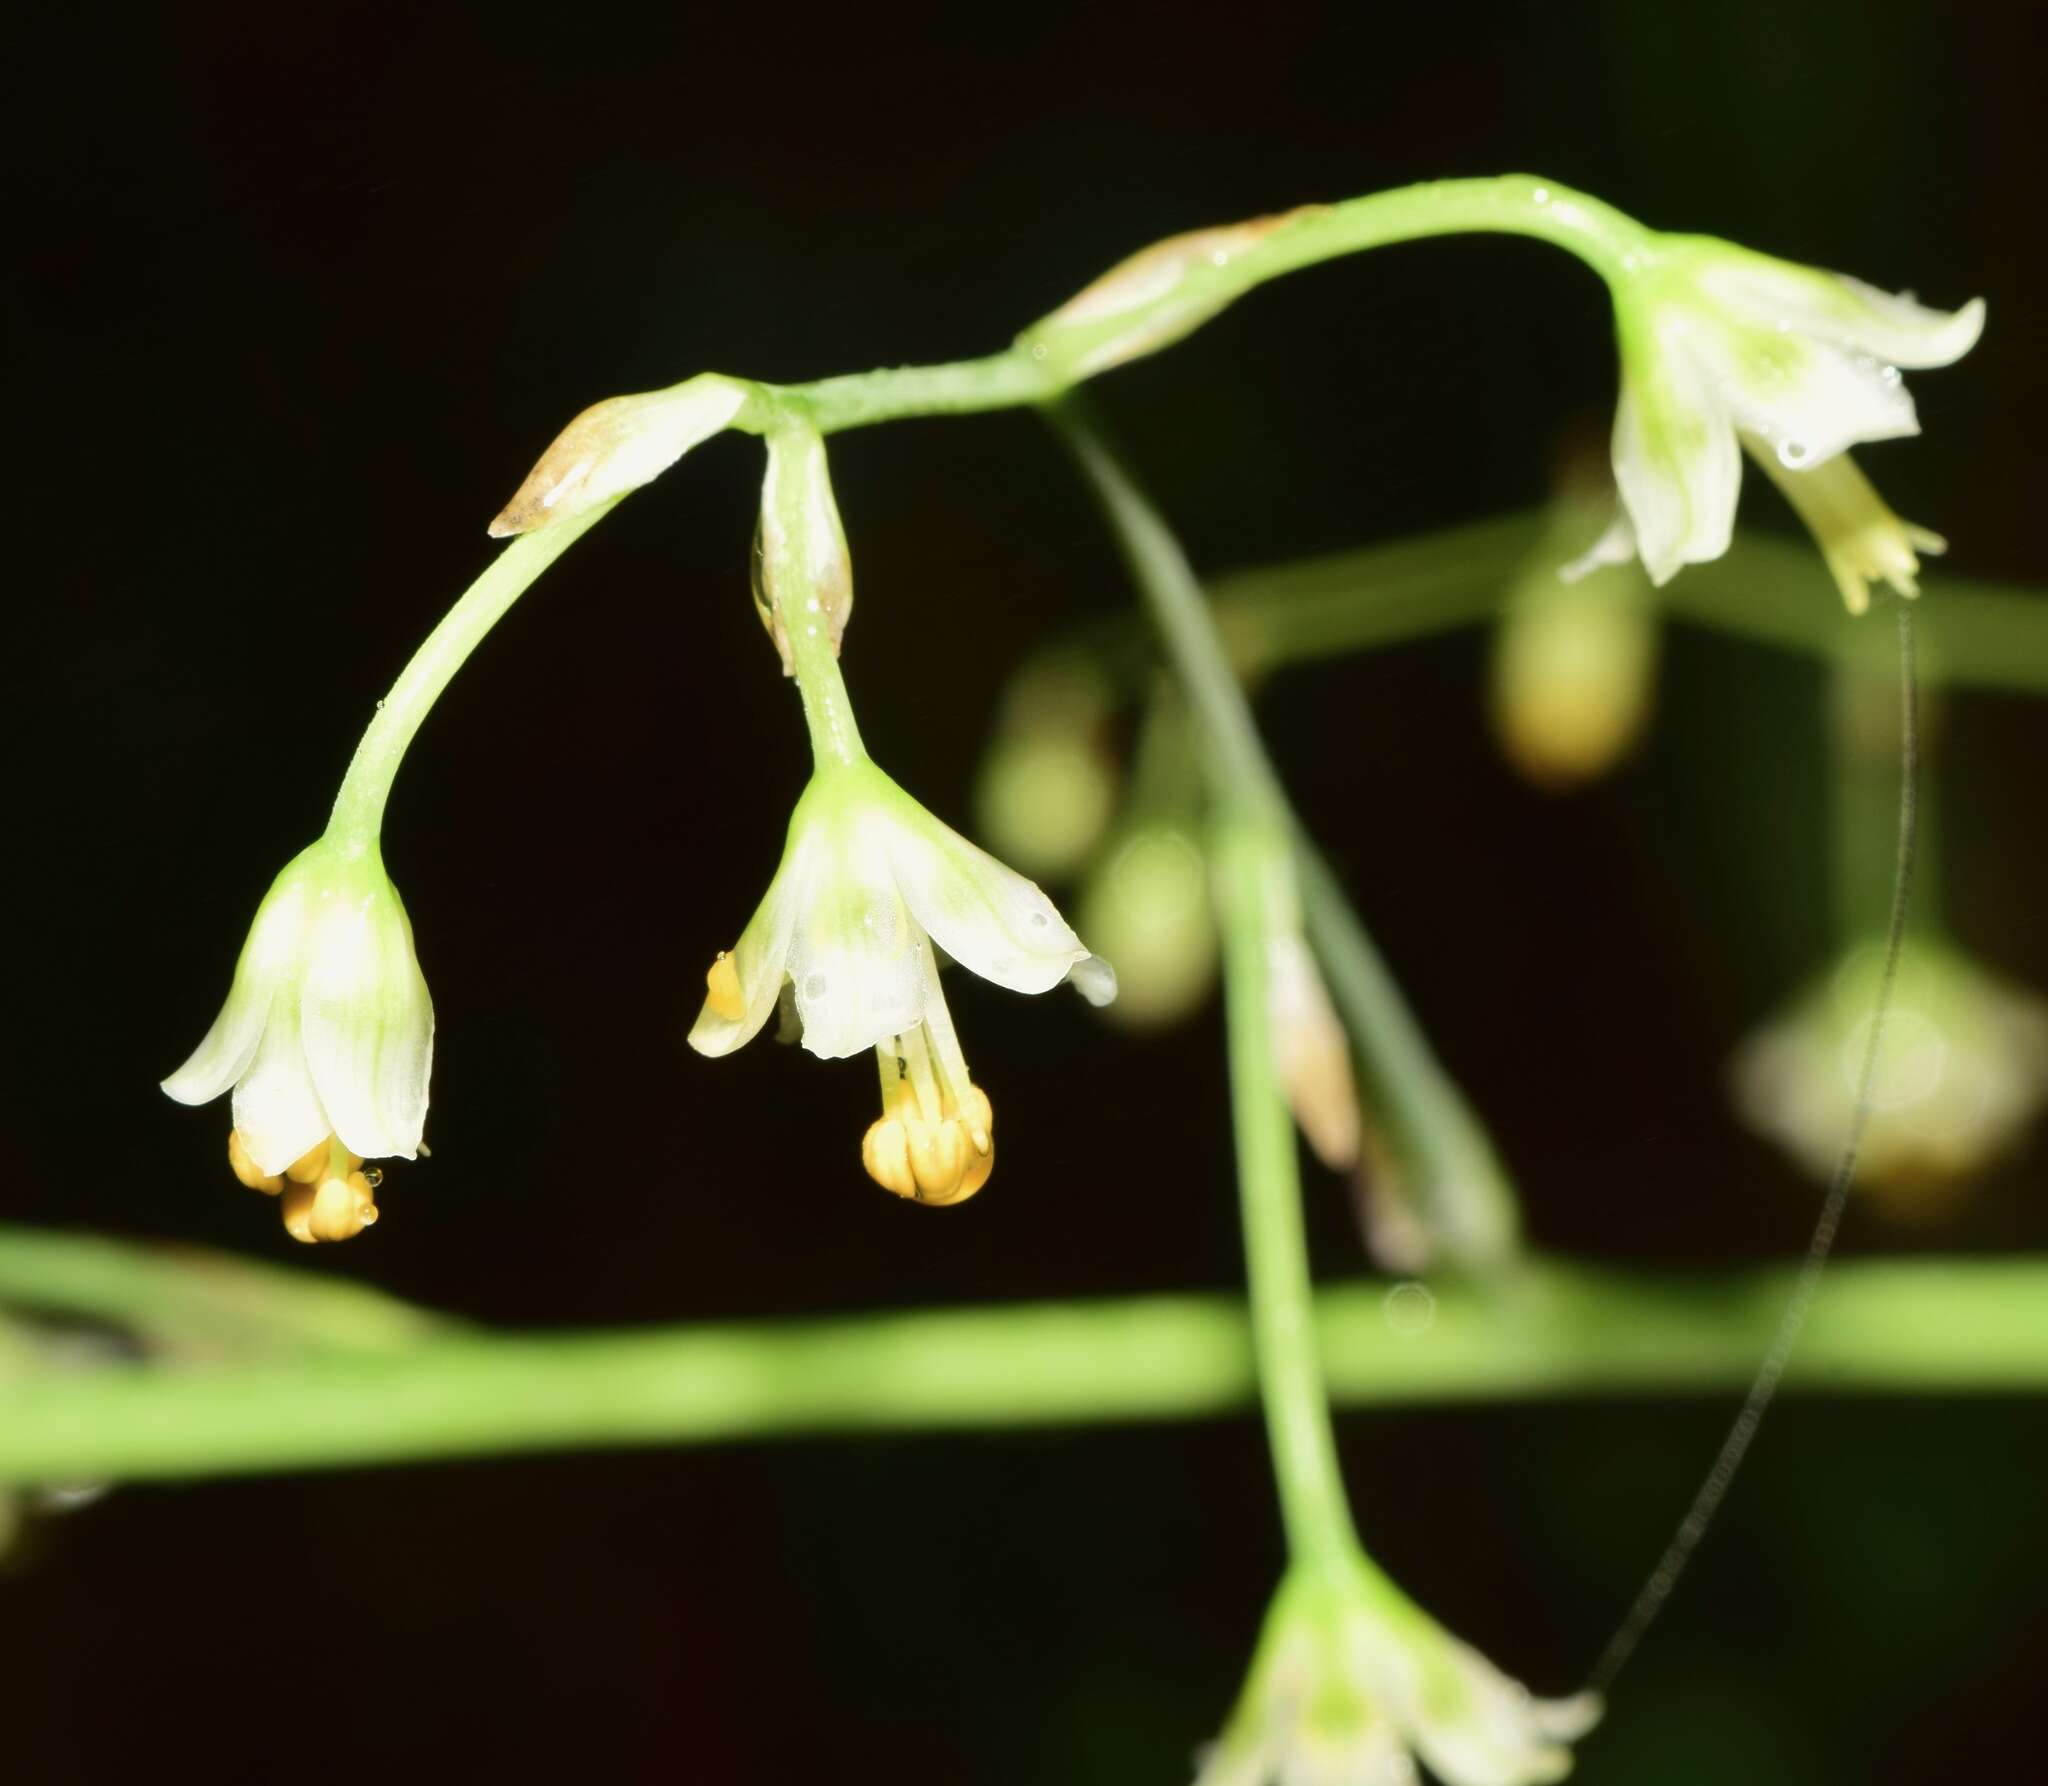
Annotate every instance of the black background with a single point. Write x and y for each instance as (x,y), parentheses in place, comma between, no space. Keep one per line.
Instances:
(303,295)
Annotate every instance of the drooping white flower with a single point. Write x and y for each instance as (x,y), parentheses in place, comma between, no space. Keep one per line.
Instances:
(1353,1681)
(1723,348)
(871,887)
(327,1039)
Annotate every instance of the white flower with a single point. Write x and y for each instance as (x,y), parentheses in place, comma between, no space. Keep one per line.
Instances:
(1352,1681)
(616,446)
(1721,347)
(1962,1072)
(327,1036)
(869,883)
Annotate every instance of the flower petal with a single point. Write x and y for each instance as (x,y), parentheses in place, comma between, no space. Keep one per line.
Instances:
(266,963)
(858,961)
(1889,326)
(368,1024)
(1675,460)
(1809,400)
(1470,1722)
(229,1046)
(987,917)
(1616,545)
(760,959)
(277,1111)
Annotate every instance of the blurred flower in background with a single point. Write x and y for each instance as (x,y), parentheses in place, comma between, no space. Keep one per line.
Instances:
(1146,904)
(1962,1071)
(1048,782)
(1574,668)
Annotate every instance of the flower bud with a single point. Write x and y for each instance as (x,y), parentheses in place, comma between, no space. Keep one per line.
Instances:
(803,572)
(1155,298)
(1147,908)
(614,447)
(1048,785)
(1574,667)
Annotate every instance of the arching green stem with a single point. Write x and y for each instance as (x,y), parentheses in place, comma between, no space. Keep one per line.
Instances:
(358,813)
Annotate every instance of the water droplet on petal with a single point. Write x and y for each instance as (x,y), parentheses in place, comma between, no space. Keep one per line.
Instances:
(1792,453)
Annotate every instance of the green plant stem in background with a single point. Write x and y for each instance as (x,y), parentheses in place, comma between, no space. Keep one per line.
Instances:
(359,805)
(188,1303)
(1543,1331)
(1437,1141)
(1250,858)
(1774,591)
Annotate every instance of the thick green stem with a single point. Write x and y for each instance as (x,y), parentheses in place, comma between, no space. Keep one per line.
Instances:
(359,806)
(1251,864)
(1437,1141)
(1546,1330)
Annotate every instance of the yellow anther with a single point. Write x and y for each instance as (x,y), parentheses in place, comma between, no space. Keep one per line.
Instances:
(311,1165)
(937,1163)
(245,1168)
(722,989)
(336,1208)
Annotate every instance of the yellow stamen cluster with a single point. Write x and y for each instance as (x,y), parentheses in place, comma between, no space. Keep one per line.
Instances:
(324,1195)
(938,1163)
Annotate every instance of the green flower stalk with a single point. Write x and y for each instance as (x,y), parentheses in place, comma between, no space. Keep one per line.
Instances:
(1351,1679)
(871,887)
(1724,350)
